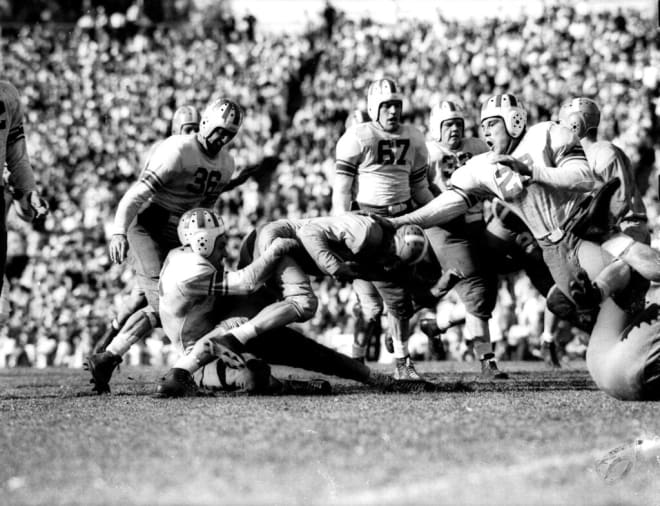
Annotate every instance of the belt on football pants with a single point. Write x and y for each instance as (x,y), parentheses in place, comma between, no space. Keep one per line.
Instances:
(389,210)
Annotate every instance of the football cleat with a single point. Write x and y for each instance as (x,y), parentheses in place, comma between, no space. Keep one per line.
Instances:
(489,370)
(176,383)
(405,370)
(101,366)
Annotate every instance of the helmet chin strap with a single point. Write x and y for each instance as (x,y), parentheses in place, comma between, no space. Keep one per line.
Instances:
(513,143)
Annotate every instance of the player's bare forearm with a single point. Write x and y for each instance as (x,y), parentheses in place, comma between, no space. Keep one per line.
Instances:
(342,194)
(442,209)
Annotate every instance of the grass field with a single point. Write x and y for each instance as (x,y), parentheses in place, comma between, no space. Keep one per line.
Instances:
(531,440)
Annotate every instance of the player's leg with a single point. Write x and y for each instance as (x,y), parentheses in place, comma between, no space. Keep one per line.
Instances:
(623,356)
(148,258)
(299,302)
(135,301)
(3,237)
(371,305)
(639,256)
(398,302)
(102,365)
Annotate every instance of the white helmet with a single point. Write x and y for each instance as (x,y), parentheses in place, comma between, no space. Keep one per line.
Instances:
(184,115)
(199,228)
(410,244)
(381,90)
(442,112)
(506,107)
(580,115)
(222,113)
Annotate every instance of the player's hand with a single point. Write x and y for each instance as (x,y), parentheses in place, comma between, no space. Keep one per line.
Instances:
(513,163)
(31,206)
(584,292)
(282,245)
(39,206)
(118,248)
(348,271)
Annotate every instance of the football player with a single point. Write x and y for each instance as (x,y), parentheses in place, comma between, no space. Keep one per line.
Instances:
(607,161)
(459,244)
(21,186)
(202,320)
(185,121)
(522,171)
(381,167)
(623,354)
(184,172)
(353,246)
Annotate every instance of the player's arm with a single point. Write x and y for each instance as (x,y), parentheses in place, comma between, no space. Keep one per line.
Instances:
(442,209)
(419,180)
(21,176)
(160,168)
(347,159)
(571,170)
(243,281)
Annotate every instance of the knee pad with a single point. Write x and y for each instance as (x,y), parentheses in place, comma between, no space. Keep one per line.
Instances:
(304,305)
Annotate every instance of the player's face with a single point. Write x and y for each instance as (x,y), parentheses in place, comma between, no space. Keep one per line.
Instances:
(495,135)
(217,140)
(451,133)
(389,115)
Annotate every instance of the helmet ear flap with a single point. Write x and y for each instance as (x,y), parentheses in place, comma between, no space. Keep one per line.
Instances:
(199,228)
(575,121)
(516,122)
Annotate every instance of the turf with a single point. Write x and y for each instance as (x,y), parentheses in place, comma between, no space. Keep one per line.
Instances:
(530,440)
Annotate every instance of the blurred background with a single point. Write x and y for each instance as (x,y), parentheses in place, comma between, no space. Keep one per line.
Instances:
(100,81)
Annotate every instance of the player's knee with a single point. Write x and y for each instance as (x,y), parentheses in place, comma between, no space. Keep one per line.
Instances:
(305,306)
(372,310)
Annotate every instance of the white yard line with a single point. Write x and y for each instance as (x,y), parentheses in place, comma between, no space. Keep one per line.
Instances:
(482,476)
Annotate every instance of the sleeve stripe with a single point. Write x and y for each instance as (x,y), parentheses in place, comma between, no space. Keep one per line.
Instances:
(152,180)
(419,174)
(465,196)
(346,168)
(15,135)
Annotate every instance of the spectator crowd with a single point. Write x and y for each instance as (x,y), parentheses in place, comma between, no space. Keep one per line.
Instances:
(96,97)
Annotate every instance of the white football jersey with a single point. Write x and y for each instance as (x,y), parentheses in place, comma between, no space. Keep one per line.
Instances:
(542,207)
(385,164)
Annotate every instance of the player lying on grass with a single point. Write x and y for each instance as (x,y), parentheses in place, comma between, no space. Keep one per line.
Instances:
(201,317)
(623,355)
